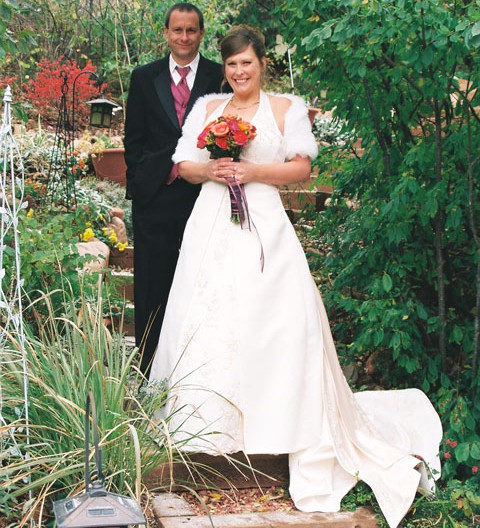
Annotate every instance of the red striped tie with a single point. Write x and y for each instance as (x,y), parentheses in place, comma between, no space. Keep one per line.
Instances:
(181,95)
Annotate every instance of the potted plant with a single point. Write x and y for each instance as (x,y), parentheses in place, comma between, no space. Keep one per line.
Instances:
(107,155)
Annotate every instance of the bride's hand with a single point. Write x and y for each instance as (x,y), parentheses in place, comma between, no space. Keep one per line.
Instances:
(243,171)
(220,169)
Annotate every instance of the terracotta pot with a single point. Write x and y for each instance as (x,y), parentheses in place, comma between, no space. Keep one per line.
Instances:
(109,164)
(312,112)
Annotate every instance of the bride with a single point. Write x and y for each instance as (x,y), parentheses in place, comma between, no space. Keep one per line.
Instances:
(246,346)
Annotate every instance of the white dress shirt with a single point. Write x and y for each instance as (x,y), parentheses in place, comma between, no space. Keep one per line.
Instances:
(191,74)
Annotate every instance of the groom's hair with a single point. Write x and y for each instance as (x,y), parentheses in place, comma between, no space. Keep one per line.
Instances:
(184,7)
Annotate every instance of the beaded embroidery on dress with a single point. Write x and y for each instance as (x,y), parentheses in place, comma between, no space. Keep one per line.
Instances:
(249,355)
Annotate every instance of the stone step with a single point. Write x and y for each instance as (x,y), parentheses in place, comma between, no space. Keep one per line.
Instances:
(121,283)
(122,259)
(297,197)
(221,472)
(172,511)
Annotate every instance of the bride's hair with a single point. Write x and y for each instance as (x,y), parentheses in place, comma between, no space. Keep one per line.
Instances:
(238,38)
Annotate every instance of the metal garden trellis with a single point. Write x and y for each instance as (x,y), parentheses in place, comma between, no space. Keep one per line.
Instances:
(61,178)
(12,335)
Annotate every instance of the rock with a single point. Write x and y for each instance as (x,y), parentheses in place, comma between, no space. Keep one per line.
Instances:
(350,372)
(117,212)
(371,364)
(99,251)
(118,225)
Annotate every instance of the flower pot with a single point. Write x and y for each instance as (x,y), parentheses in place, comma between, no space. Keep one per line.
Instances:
(312,113)
(109,164)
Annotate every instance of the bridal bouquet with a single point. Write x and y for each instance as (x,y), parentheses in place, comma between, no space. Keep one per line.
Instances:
(225,138)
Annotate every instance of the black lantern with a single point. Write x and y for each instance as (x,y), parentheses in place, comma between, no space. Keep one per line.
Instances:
(101,112)
(96,507)
(101,109)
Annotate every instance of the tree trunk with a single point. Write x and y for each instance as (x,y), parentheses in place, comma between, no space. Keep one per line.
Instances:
(476,240)
(439,227)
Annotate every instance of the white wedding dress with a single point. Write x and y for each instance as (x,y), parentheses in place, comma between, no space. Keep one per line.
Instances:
(249,356)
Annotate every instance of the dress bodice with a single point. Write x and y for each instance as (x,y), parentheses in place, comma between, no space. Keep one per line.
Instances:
(269,144)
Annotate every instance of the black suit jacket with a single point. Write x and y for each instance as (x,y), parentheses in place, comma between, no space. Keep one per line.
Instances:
(152,129)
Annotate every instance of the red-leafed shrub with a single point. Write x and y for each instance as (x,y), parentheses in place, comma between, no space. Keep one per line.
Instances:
(44,91)
(6,80)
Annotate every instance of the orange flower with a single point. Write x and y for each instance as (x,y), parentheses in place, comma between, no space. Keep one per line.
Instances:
(226,136)
(220,130)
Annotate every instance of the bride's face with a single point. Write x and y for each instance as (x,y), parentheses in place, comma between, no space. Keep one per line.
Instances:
(244,72)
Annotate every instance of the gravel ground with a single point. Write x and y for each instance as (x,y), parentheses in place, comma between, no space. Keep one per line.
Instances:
(221,502)
(239,501)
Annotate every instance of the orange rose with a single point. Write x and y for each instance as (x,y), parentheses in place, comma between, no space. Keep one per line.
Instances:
(220,130)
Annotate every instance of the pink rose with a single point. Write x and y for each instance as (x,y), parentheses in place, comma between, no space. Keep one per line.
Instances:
(220,130)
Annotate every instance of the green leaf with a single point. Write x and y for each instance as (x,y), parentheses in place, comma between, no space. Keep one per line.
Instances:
(395,342)
(5,12)
(475,450)
(362,71)
(444,380)
(457,334)
(462,452)
(425,385)
(378,336)
(387,282)
(421,312)
(317,37)
(475,29)
(427,56)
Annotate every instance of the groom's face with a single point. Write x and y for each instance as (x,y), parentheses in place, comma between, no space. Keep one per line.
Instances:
(183,36)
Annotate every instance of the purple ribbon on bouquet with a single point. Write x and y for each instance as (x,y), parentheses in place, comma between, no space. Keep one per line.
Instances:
(240,213)
(238,204)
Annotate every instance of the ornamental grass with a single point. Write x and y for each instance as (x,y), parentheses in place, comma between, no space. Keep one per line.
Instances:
(68,355)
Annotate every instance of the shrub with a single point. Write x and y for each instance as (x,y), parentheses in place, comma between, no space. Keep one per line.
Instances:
(404,261)
(44,91)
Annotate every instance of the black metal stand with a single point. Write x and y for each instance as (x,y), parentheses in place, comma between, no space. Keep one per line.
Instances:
(96,507)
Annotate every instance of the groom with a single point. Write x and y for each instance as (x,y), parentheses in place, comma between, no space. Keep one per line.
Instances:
(160,96)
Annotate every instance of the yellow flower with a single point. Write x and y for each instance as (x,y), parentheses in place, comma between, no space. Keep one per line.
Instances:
(100,217)
(30,213)
(112,238)
(88,224)
(121,246)
(88,234)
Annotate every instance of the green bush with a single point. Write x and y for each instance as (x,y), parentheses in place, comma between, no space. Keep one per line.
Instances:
(402,232)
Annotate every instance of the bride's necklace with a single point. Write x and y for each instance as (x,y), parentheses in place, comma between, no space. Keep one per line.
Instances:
(243,107)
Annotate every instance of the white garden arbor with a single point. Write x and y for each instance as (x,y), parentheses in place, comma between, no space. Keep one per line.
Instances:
(12,335)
